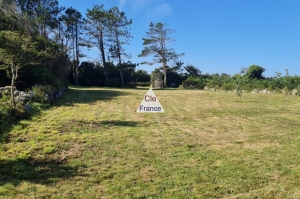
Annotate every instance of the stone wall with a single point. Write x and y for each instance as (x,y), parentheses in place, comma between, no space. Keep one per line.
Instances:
(264,91)
(21,96)
(6,90)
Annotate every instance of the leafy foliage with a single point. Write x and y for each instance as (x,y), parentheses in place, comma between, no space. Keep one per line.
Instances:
(140,76)
(112,82)
(16,51)
(97,30)
(255,72)
(193,82)
(239,88)
(40,92)
(191,70)
(43,14)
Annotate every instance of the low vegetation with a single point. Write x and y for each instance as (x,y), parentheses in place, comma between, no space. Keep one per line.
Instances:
(92,144)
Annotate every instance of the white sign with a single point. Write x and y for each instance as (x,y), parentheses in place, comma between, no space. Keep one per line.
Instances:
(150,104)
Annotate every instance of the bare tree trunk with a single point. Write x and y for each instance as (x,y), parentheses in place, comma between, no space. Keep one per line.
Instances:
(122,78)
(74,72)
(77,82)
(165,74)
(101,44)
(77,54)
(13,78)
(120,61)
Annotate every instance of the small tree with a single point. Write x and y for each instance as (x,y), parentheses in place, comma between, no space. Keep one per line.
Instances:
(239,88)
(156,43)
(16,51)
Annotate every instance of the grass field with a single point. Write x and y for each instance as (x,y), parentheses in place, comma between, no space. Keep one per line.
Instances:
(92,144)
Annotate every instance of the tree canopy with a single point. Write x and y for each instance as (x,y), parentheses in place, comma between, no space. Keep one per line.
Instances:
(254,72)
(156,43)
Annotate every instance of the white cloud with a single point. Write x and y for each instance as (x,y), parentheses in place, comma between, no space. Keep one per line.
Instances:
(153,8)
(141,4)
(163,10)
(137,5)
(122,3)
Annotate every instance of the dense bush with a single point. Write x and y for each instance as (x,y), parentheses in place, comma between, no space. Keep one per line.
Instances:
(227,82)
(194,83)
(40,93)
(173,78)
(34,74)
(8,114)
(112,82)
(140,76)
(5,109)
(143,84)
(4,80)
(131,85)
(90,74)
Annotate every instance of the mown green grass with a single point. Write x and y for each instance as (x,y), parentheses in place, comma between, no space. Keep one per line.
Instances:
(92,144)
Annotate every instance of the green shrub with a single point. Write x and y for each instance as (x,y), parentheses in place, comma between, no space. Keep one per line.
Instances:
(8,114)
(143,84)
(239,87)
(40,92)
(5,109)
(19,112)
(112,82)
(194,83)
(131,85)
(229,84)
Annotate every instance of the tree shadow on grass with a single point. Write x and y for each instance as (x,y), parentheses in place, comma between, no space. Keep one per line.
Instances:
(36,171)
(81,126)
(157,89)
(73,96)
(7,126)
(87,96)
(119,123)
(142,88)
(4,130)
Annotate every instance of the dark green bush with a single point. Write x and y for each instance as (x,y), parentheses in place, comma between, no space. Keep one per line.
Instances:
(42,93)
(112,82)
(8,114)
(143,84)
(156,75)
(5,109)
(194,83)
(131,85)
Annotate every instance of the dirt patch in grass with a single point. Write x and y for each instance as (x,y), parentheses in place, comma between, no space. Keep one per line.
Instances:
(259,146)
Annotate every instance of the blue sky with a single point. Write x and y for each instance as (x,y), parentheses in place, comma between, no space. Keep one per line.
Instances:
(217,36)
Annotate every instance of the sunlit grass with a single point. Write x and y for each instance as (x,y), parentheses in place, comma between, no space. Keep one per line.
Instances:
(93,144)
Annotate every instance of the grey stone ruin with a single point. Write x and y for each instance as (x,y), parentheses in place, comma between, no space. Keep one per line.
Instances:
(158,84)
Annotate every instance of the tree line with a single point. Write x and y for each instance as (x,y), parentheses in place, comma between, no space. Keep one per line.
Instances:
(52,39)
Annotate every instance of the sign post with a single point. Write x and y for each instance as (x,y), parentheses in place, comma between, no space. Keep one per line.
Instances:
(150,104)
